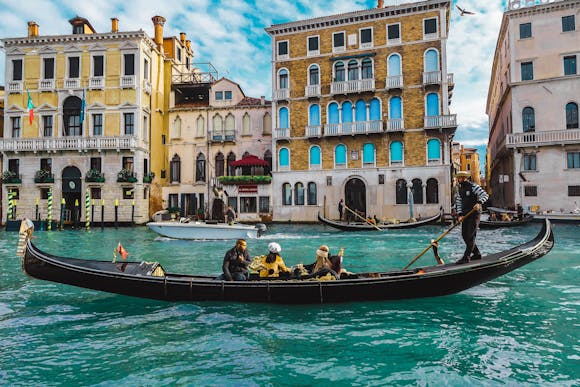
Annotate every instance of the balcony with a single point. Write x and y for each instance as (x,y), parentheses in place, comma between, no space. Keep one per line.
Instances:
(72,143)
(46,85)
(312,91)
(146,86)
(314,131)
(72,83)
(437,122)
(432,78)
(395,125)
(43,176)
(450,81)
(554,137)
(353,128)
(96,83)
(94,176)
(356,86)
(14,87)
(222,135)
(394,82)
(126,176)
(127,82)
(282,133)
(9,177)
(281,94)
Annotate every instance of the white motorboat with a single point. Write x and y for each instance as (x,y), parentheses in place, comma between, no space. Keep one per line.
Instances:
(206,230)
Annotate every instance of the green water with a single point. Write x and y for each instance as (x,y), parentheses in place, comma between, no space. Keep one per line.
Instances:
(523,328)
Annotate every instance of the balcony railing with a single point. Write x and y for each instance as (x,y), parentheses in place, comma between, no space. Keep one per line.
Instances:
(15,87)
(394,82)
(450,80)
(72,83)
(66,144)
(555,137)
(312,91)
(96,83)
(222,135)
(281,94)
(352,128)
(435,122)
(313,130)
(355,86)
(432,78)
(127,82)
(46,85)
(395,125)
(282,133)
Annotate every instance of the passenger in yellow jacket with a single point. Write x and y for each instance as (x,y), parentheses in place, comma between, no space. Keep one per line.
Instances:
(273,264)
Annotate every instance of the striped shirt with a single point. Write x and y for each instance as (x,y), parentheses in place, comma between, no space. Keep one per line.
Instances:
(482,196)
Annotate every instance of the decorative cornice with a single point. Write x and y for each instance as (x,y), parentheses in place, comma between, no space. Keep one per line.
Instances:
(554,6)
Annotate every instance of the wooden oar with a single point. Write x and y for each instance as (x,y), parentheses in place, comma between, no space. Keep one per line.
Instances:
(438,239)
(365,219)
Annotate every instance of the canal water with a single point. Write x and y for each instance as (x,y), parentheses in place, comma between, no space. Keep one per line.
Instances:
(523,328)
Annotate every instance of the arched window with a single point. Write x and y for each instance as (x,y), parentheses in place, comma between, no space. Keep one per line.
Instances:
(175,169)
(177,128)
(71,111)
(283,118)
(394,65)
(284,158)
(396,152)
(361,110)
(417,190)
(314,115)
(375,110)
(353,70)
(200,127)
(347,111)
(367,68)
(219,164)
(299,194)
(395,110)
(369,153)
(333,115)
(268,158)
(286,194)
(246,124)
(339,72)
(231,159)
(230,127)
(283,79)
(315,159)
(572,115)
(433,149)
(313,75)
(200,167)
(312,199)
(340,155)
(218,127)
(528,120)
(432,104)
(431,61)
(267,124)
(432,191)
(401,191)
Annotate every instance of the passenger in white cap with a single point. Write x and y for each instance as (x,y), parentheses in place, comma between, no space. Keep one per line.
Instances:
(273,264)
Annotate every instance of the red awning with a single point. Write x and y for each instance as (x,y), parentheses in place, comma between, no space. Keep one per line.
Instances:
(250,161)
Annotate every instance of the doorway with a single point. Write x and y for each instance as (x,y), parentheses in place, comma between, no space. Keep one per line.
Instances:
(71,193)
(355,196)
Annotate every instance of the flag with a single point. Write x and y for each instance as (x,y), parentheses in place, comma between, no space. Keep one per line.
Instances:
(121,250)
(30,107)
(83,104)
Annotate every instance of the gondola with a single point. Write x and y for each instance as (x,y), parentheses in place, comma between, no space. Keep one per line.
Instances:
(363,226)
(487,224)
(150,280)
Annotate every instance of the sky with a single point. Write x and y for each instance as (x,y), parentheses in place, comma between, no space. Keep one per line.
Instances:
(230,34)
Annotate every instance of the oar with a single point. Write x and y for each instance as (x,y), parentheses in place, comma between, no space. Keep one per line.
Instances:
(438,239)
(365,219)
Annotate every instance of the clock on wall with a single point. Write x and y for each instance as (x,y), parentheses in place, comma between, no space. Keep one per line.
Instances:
(71,184)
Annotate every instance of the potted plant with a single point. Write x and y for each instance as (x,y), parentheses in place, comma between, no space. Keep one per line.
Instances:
(9,177)
(43,176)
(148,178)
(94,176)
(200,213)
(126,176)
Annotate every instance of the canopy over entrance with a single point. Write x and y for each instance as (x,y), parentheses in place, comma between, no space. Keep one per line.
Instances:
(250,161)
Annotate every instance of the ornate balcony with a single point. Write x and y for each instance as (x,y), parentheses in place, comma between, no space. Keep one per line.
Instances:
(72,83)
(96,83)
(281,94)
(127,82)
(222,135)
(72,143)
(126,176)
(46,85)
(554,137)
(43,176)
(395,125)
(432,78)
(394,82)
(14,87)
(356,86)
(353,128)
(9,177)
(282,133)
(436,122)
(94,176)
(314,131)
(312,91)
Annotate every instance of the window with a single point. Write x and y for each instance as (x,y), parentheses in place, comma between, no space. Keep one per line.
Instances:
(568,23)
(47,124)
(313,45)
(219,95)
(178,54)
(172,201)
(228,95)
(432,105)
(219,164)
(48,68)
(299,194)
(44,193)
(417,190)
(375,110)
(231,170)
(283,79)
(431,60)
(369,153)
(98,66)
(200,168)
(433,150)
(525,30)
(338,41)
(15,123)
(401,191)
(530,190)
(95,193)
(73,66)
(200,127)
(360,111)
(284,158)
(570,65)
(268,159)
(352,70)
(72,116)
(528,120)
(264,204)
(283,118)
(311,199)
(367,69)
(429,26)
(46,165)
(78,29)
(315,158)
(395,109)
(283,49)
(393,33)
(129,64)
(529,162)
(127,163)
(432,191)
(572,115)
(313,75)
(129,123)
(17,69)
(333,113)
(340,155)
(573,160)
(286,194)
(339,72)
(366,37)
(267,124)
(527,71)
(97,124)
(246,125)
(145,69)
(574,190)
(247,204)
(314,115)
(95,163)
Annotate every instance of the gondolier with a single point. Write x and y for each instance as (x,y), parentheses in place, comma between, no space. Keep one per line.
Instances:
(469,196)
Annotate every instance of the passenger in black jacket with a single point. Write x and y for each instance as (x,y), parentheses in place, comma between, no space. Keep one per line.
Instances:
(236,262)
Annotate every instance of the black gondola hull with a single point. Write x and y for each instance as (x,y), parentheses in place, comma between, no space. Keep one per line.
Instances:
(358,226)
(487,224)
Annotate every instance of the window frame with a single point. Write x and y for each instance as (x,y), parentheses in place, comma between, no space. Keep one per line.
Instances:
(124,68)
(315,52)
(280,56)
(573,160)
(44,68)
(530,69)
(369,44)
(430,35)
(525,31)
(94,125)
(13,68)
(529,162)
(45,118)
(16,126)
(339,48)
(94,67)
(565,23)
(569,67)
(129,126)
(69,58)
(393,41)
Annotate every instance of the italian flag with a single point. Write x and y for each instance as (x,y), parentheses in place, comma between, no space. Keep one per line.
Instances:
(30,107)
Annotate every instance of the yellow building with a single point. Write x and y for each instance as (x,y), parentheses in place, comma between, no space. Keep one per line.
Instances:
(99,121)
(361,111)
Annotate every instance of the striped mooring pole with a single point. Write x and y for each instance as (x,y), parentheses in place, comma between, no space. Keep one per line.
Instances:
(10,205)
(49,205)
(87,208)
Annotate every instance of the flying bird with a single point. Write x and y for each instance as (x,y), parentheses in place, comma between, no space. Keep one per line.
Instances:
(464,12)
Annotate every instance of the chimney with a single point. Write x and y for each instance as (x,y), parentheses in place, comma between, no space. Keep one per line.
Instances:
(182,37)
(158,22)
(32,29)
(262,100)
(114,24)
(188,45)
(380,4)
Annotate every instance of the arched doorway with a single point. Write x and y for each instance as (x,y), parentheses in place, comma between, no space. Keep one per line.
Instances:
(71,193)
(355,194)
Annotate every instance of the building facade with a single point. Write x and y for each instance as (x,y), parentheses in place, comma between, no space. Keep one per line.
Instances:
(86,113)
(213,127)
(361,112)
(534,139)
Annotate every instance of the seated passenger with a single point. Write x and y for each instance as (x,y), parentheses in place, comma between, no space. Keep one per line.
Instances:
(322,262)
(273,264)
